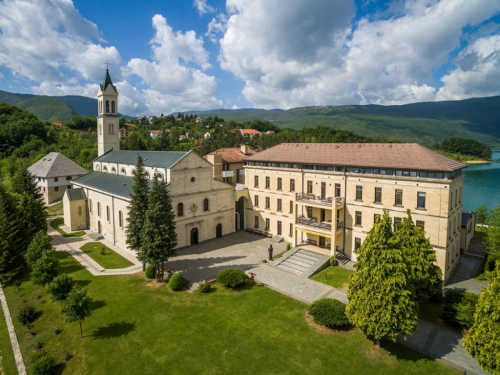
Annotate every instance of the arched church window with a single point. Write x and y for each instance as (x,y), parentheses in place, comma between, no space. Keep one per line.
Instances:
(97,167)
(113,108)
(100,129)
(180,209)
(123,172)
(107,106)
(205,204)
(104,169)
(113,170)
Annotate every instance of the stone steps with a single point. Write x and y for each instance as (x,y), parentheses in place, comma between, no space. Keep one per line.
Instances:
(302,262)
(95,236)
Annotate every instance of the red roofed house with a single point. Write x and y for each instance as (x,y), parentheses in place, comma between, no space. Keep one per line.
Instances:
(250,133)
(228,163)
(198,119)
(154,133)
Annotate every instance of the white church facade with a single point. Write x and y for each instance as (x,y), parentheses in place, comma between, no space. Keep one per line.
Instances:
(99,200)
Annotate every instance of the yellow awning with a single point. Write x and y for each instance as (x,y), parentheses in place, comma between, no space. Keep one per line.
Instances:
(314,233)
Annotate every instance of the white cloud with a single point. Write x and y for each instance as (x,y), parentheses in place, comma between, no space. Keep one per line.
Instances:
(216,27)
(297,53)
(477,73)
(203,7)
(174,79)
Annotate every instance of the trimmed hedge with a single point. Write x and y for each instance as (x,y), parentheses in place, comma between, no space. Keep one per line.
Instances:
(150,271)
(459,308)
(43,365)
(26,315)
(175,281)
(232,277)
(204,287)
(329,312)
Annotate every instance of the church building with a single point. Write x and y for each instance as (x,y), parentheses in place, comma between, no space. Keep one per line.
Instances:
(99,200)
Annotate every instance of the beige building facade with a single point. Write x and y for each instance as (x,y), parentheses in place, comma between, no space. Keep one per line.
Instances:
(228,165)
(329,195)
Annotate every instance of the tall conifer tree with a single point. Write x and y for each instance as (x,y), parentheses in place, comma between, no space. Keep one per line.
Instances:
(11,243)
(34,217)
(381,301)
(159,237)
(24,183)
(137,208)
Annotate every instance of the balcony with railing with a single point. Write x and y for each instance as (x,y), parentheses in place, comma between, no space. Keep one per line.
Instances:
(318,200)
(313,222)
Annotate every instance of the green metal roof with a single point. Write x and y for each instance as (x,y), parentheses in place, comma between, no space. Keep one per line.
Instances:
(153,159)
(107,182)
(107,82)
(77,194)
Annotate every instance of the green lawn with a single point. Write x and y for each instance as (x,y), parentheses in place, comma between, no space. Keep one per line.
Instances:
(334,276)
(480,233)
(7,361)
(140,327)
(108,260)
(55,210)
(56,223)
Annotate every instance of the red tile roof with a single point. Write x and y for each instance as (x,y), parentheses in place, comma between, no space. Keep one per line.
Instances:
(374,155)
(232,155)
(155,131)
(249,131)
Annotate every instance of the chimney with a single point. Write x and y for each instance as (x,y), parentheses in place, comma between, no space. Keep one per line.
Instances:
(244,149)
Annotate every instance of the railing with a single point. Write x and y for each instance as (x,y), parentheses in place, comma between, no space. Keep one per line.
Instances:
(340,225)
(340,200)
(313,199)
(238,187)
(339,249)
(313,223)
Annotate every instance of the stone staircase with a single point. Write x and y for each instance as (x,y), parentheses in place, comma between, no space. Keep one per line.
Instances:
(302,262)
(95,236)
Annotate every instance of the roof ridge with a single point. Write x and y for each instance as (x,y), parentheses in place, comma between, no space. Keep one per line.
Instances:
(436,155)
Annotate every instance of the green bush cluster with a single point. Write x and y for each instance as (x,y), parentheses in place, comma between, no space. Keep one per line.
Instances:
(150,271)
(459,308)
(175,281)
(329,312)
(204,287)
(26,315)
(232,277)
(43,364)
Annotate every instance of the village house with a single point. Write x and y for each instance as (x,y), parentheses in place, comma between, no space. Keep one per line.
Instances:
(228,164)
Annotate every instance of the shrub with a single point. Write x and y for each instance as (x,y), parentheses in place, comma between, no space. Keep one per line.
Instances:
(459,308)
(232,277)
(44,364)
(329,312)
(493,257)
(204,287)
(26,315)
(175,281)
(288,246)
(150,271)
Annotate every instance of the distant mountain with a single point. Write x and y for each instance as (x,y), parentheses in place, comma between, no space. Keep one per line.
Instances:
(81,104)
(9,98)
(48,108)
(426,123)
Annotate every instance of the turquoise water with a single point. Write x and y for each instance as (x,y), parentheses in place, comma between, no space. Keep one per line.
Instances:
(482,184)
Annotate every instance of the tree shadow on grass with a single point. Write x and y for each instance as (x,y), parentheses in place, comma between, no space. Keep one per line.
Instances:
(59,369)
(65,265)
(113,330)
(97,304)
(82,283)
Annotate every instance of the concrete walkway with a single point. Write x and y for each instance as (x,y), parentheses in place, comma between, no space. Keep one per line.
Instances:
(463,276)
(72,245)
(21,369)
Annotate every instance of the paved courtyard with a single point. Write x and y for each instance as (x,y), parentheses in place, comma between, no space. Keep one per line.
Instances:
(463,276)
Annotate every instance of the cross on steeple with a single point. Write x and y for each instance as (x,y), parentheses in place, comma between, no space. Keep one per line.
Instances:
(107,64)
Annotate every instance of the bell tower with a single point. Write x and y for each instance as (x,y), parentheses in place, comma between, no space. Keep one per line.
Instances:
(108,135)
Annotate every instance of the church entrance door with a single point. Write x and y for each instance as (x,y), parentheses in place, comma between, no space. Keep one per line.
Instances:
(218,231)
(194,236)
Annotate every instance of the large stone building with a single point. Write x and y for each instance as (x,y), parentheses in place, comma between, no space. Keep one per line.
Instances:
(228,164)
(53,174)
(329,195)
(204,207)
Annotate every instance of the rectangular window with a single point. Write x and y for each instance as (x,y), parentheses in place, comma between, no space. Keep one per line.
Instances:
(68,178)
(107,213)
(99,209)
(337,190)
(79,211)
(378,195)
(291,207)
(268,224)
(456,198)
(256,201)
(68,187)
(397,223)
(460,196)
(292,185)
(398,200)
(120,219)
(90,205)
(56,179)
(280,208)
(420,199)
(280,182)
(309,187)
(357,243)
(268,202)
(358,218)
(421,224)
(268,182)
(256,181)
(256,222)
(451,201)
(375,218)
(291,230)
(359,192)
(56,188)
(280,230)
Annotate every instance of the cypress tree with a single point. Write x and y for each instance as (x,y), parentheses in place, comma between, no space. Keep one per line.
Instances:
(420,258)
(159,237)
(11,243)
(24,183)
(381,300)
(34,218)
(483,339)
(137,208)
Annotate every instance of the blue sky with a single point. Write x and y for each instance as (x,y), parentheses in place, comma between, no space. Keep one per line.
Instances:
(182,55)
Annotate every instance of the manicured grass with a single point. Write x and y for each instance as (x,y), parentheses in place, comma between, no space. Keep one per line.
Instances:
(480,233)
(141,327)
(56,223)
(108,260)
(336,276)
(7,361)
(55,210)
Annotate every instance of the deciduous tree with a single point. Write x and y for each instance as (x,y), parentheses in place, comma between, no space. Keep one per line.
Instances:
(381,299)
(77,306)
(45,269)
(41,244)
(493,234)
(60,288)
(481,214)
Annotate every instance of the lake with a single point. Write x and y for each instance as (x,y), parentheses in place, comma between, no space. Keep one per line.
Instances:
(482,184)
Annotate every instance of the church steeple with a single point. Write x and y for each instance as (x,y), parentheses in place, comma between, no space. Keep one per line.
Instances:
(108,135)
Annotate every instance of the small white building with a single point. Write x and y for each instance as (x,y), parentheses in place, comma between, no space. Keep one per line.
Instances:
(53,174)
(154,133)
